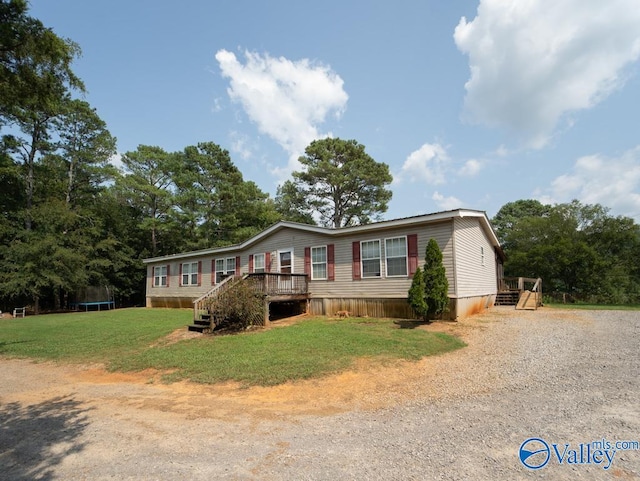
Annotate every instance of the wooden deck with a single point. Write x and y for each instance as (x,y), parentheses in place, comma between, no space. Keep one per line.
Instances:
(274,287)
(280,286)
(512,291)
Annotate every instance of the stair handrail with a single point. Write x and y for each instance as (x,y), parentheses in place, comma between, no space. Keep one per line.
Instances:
(198,304)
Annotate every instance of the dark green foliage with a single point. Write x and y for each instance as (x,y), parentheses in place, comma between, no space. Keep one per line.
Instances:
(339,182)
(436,286)
(428,294)
(213,204)
(577,249)
(416,296)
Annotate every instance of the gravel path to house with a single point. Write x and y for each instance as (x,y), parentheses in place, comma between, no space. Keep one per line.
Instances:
(568,377)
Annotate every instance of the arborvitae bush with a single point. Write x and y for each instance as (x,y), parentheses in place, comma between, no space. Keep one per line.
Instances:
(416,295)
(428,292)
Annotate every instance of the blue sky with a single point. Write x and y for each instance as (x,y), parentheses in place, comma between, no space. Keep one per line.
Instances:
(472,104)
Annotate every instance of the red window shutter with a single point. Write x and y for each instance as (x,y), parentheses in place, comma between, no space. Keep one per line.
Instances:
(199,273)
(331,262)
(307,261)
(237,265)
(412,248)
(213,272)
(356,261)
(267,261)
(168,274)
(180,280)
(250,263)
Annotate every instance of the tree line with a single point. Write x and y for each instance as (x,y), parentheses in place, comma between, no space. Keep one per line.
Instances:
(71,219)
(581,251)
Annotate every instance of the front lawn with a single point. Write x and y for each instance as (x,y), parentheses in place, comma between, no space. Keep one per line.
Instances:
(127,340)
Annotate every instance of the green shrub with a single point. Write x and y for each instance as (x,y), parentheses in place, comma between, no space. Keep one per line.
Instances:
(428,294)
(240,306)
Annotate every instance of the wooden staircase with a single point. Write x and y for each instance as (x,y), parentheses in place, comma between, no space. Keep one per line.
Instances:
(206,315)
(514,292)
(507,298)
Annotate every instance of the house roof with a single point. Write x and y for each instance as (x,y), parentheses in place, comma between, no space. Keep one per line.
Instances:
(342,231)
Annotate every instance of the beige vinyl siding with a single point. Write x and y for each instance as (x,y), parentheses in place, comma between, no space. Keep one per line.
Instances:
(343,286)
(174,289)
(395,287)
(472,277)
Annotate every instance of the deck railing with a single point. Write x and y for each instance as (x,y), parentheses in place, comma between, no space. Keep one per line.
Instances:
(276,284)
(520,284)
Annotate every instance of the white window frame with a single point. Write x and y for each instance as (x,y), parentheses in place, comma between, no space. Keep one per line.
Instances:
(362,259)
(482,255)
(290,250)
(387,257)
(189,274)
(157,277)
(256,269)
(325,263)
(225,268)
(230,264)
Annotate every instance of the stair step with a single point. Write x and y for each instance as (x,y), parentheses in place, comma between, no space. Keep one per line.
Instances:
(202,322)
(198,328)
(507,298)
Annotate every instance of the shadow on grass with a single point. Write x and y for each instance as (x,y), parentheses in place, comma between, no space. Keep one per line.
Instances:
(411,323)
(35,438)
(4,344)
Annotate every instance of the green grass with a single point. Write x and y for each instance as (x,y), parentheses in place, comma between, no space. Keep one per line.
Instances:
(88,337)
(593,307)
(124,340)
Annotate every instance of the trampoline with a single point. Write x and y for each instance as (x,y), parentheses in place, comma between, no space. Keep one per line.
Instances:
(93,298)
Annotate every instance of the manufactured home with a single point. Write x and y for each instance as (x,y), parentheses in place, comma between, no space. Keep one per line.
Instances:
(365,270)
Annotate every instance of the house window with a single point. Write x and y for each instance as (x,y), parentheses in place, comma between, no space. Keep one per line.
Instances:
(231,266)
(190,274)
(160,276)
(481,255)
(225,268)
(258,263)
(318,263)
(370,258)
(396,256)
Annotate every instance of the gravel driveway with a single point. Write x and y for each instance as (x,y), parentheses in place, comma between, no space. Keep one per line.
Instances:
(566,377)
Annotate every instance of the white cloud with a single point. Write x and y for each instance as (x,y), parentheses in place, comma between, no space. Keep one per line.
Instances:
(533,62)
(470,168)
(595,179)
(427,164)
(446,203)
(116,160)
(286,99)
(240,144)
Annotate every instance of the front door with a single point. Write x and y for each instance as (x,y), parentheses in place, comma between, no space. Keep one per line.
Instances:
(285,265)
(286,262)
